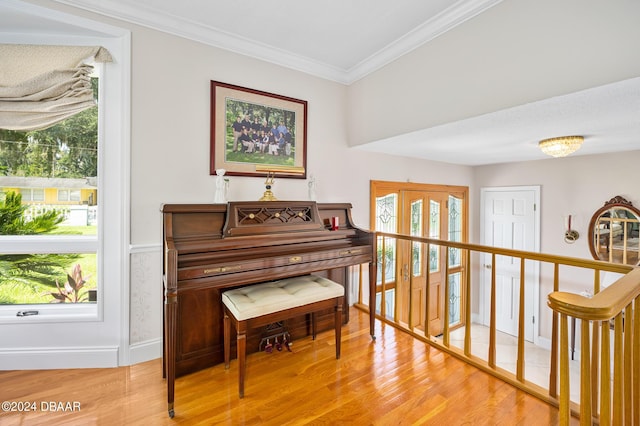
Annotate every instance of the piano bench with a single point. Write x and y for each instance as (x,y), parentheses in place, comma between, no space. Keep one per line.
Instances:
(265,303)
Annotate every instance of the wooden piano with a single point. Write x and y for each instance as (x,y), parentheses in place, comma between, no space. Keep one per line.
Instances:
(209,248)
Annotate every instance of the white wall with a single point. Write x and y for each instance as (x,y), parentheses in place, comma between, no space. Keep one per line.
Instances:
(170,134)
(170,119)
(498,63)
(577,185)
(170,151)
(516,52)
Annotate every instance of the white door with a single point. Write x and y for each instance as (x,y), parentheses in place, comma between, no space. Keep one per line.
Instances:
(510,219)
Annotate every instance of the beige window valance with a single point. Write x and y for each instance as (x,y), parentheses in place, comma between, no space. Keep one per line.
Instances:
(41,85)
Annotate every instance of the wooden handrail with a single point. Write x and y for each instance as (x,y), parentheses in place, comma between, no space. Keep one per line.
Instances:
(541,257)
(612,303)
(619,402)
(604,305)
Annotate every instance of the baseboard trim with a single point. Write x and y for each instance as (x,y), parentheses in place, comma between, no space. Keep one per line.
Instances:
(58,358)
(145,351)
(543,342)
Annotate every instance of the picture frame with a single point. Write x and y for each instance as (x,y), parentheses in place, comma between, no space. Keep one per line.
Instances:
(256,133)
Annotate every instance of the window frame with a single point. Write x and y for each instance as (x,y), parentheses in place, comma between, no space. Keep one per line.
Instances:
(64,244)
(110,248)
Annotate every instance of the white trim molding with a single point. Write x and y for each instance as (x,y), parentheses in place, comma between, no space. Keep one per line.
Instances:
(160,20)
(58,358)
(145,351)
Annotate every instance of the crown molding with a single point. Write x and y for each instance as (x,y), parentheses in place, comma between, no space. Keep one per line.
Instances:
(74,25)
(137,14)
(450,18)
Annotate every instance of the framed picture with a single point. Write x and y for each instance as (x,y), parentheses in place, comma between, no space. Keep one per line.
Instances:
(256,133)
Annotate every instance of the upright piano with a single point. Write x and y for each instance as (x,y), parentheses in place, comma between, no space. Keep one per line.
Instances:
(210,248)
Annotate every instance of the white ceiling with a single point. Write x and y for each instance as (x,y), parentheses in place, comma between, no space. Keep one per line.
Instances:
(345,40)
(607,116)
(334,39)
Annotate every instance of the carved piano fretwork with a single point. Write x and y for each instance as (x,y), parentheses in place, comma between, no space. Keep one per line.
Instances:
(209,248)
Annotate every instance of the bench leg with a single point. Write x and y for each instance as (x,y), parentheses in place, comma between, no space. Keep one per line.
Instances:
(227,340)
(241,344)
(242,351)
(314,329)
(338,320)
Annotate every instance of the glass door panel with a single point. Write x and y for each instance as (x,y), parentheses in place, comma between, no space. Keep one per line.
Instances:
(455,260)
(413,284)
(437,230)
(434,232)
(386,221)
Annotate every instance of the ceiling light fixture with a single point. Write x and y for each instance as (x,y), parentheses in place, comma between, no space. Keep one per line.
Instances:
(562,146)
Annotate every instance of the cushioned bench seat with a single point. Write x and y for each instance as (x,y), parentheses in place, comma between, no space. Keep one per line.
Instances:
(265,303)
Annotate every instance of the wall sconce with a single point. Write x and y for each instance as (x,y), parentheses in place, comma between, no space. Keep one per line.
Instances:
(570,235)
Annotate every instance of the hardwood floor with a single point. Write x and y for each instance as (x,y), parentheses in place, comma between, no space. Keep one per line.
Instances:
(395,381)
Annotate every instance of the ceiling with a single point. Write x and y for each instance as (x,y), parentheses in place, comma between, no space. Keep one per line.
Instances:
(334,39)
(344,41)
(608,117)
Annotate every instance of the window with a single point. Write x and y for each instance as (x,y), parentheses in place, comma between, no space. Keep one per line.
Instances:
(386,218)
(31,194)
(86,334)
(49,246)
(69,195)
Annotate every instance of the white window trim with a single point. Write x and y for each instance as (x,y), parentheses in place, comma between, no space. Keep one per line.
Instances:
(52,244)
(48,313)
(59,312)
(43,244)
(115,181)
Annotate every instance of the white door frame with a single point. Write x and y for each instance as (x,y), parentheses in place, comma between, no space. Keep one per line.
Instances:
(535,306)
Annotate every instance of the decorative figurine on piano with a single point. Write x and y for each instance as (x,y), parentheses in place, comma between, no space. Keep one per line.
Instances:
(221,187)
(312,188)
(268,194)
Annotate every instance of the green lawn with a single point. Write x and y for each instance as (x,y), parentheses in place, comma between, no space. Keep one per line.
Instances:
(75,230)
(22,290)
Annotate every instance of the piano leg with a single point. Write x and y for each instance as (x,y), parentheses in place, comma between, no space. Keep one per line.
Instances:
(372,299)
(170,361)
(170,328)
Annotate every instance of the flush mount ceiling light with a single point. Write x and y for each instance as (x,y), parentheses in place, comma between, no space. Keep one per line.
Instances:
(562,146)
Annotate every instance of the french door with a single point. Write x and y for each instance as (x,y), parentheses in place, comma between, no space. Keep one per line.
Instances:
(414,274)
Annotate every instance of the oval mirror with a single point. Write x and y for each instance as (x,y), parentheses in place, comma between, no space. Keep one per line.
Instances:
(613,232)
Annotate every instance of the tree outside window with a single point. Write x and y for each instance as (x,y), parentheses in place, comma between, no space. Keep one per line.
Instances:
(48,188)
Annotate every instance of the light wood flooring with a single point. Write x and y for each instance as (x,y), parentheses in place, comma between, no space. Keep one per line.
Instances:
(395,380)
